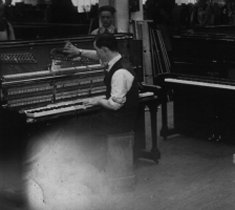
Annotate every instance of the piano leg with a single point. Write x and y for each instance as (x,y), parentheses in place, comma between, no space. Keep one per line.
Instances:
(164,129)
(154,153)
(153,108)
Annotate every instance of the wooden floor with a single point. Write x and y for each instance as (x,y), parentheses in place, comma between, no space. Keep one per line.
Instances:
(192,174)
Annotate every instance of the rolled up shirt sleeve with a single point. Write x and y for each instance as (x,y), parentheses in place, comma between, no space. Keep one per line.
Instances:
(121,83)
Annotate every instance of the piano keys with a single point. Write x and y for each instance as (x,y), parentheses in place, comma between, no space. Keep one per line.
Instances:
(77,105)
(58,108)
(199,82)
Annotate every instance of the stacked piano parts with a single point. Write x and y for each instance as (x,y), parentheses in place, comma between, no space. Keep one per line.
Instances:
(160,61)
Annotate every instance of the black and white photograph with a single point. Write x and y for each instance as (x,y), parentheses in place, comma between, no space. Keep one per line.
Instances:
(117,104)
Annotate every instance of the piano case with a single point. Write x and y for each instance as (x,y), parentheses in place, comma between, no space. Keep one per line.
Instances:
(203,96)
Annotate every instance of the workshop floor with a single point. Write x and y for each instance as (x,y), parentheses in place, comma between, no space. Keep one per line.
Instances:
(192,174)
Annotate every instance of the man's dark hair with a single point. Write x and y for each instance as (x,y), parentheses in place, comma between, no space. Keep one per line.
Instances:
(106,40)
(111,9)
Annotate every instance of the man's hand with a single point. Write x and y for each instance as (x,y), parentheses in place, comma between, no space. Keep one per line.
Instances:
(71,50)
(76,53)
(92,102)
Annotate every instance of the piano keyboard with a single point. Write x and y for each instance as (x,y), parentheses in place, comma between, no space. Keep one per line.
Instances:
(59,108)
(200,83)
(65,107)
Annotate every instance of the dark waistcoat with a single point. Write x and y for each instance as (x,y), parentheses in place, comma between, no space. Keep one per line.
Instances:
(124,117)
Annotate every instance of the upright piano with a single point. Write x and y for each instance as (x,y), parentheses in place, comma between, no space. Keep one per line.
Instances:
(202,85)
(40,85)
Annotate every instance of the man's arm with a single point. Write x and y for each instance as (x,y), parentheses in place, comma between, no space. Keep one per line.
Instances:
(74,51)
(99,102)
(95,32)
(121,83)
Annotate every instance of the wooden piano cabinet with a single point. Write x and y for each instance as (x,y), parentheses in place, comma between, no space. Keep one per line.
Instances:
(207,113)
(204,109)
(12,132)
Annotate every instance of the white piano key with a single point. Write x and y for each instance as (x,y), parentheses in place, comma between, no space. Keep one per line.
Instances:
(55,111)
(198,83)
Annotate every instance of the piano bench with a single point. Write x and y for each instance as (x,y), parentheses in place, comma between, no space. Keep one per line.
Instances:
(120,161)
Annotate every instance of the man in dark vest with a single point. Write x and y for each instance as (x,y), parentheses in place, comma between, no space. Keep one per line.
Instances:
(121,102)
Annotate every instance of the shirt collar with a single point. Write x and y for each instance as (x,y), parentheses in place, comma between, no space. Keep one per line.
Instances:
(111,29)
(113,61)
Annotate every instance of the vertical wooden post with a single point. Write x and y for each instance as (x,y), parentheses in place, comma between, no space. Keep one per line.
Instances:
(122,15)
(141,30)
(138,15)
(147,56)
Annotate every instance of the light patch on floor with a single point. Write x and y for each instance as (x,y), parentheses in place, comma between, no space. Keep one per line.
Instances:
(65,171)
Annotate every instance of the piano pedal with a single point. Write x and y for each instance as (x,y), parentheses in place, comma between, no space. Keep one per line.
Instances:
(218,138)
(212,137)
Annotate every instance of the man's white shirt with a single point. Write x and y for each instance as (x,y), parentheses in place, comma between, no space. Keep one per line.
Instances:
(111,29)
(121,83)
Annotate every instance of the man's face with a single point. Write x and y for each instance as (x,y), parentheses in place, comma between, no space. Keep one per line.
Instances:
(106,18)
(101,53)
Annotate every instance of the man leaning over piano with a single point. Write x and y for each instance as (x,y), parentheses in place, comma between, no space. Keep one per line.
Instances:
(120,106)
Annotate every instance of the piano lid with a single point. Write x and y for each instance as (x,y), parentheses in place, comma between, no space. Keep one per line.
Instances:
(205,54)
